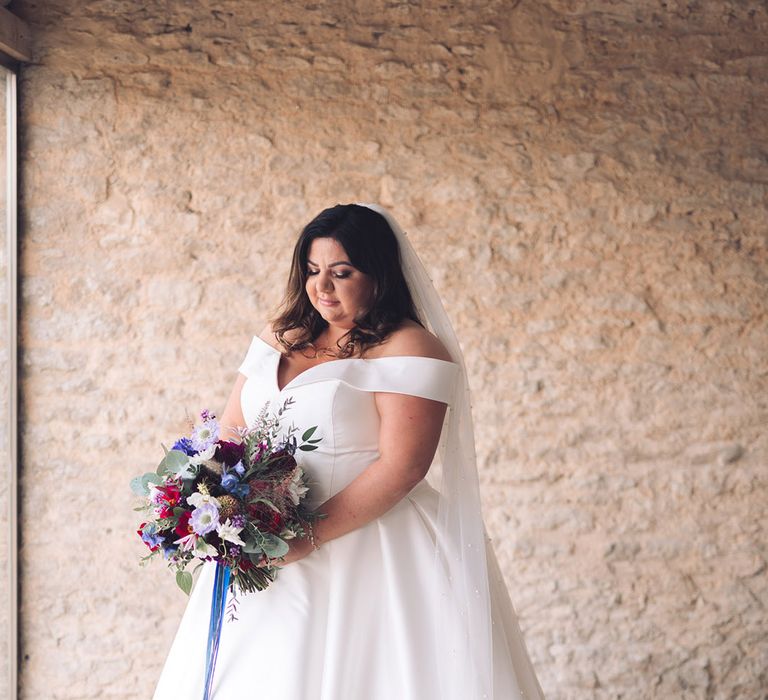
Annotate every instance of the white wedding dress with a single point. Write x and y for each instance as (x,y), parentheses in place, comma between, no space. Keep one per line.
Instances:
(352,620)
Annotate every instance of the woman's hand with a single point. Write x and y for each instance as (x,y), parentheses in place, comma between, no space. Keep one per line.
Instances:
(298,548)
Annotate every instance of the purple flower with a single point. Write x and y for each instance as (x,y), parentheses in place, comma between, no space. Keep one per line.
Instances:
(205,435)
(204,519)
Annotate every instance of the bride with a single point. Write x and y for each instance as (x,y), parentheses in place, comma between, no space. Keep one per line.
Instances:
(396,593)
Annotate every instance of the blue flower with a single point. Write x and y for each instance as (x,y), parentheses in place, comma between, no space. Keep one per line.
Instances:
(229,481)
(169,551)
(151,537)
(184,445)
(241,491)
(231,484)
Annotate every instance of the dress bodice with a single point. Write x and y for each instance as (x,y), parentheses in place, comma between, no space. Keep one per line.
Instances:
(337,396)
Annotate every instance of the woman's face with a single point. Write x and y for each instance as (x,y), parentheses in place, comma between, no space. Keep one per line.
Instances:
(339,291)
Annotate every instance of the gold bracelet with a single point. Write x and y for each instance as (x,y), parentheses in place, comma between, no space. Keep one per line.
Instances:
(312,536)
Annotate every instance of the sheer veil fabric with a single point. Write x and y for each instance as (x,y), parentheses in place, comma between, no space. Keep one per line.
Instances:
(462,548)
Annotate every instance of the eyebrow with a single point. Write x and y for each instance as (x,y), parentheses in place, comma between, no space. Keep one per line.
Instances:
(338,262)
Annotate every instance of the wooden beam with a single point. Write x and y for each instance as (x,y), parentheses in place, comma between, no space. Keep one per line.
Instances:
(14,36)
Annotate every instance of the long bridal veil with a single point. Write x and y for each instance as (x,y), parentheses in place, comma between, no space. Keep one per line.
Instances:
(462,548)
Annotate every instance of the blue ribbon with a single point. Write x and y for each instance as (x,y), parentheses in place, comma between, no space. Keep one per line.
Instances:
(220,584)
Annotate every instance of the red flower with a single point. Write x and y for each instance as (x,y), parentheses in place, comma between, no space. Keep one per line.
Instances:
(281,461)
(229,452)
(171,495)
(266,518)
(182,529)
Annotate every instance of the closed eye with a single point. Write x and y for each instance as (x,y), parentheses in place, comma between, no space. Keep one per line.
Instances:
(337,275)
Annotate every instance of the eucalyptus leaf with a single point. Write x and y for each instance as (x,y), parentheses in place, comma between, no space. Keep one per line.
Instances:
(308,433)
(174,462)
(252,548)
(138,487)
(274,546)
(307,448)
(140,484)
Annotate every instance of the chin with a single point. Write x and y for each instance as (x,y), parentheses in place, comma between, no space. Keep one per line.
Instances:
(326,313)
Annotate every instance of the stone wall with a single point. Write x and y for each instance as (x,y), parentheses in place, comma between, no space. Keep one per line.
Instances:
(587,185)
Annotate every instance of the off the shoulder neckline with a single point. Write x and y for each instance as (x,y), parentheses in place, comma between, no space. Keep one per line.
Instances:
(363,359)
(310,371)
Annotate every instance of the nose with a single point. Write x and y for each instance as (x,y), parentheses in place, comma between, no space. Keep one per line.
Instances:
(324,281)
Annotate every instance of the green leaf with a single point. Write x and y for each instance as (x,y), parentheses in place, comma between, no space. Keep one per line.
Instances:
(173,462)
(274,546)
(184,581)
(140,484)
(307,448)
(252,548)
(308,433)
(316,440)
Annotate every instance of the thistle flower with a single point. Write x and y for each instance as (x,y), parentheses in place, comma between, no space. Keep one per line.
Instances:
(228,506)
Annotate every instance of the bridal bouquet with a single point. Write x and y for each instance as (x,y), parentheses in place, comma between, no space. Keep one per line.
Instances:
(236,503)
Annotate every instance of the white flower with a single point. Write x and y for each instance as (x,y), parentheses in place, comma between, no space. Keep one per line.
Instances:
(187,542)
(204,456)
(197,499)
(203,549)
(295,489)
(227,531)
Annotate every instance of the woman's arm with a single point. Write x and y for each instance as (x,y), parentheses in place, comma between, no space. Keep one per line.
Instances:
(408,437)
(233,412)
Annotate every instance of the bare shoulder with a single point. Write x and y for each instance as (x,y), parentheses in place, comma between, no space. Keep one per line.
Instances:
(413,339)
(268,335)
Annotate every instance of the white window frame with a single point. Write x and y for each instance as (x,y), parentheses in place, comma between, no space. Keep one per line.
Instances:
(14,49)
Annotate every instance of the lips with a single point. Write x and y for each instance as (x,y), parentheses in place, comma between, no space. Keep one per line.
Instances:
(327,302)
